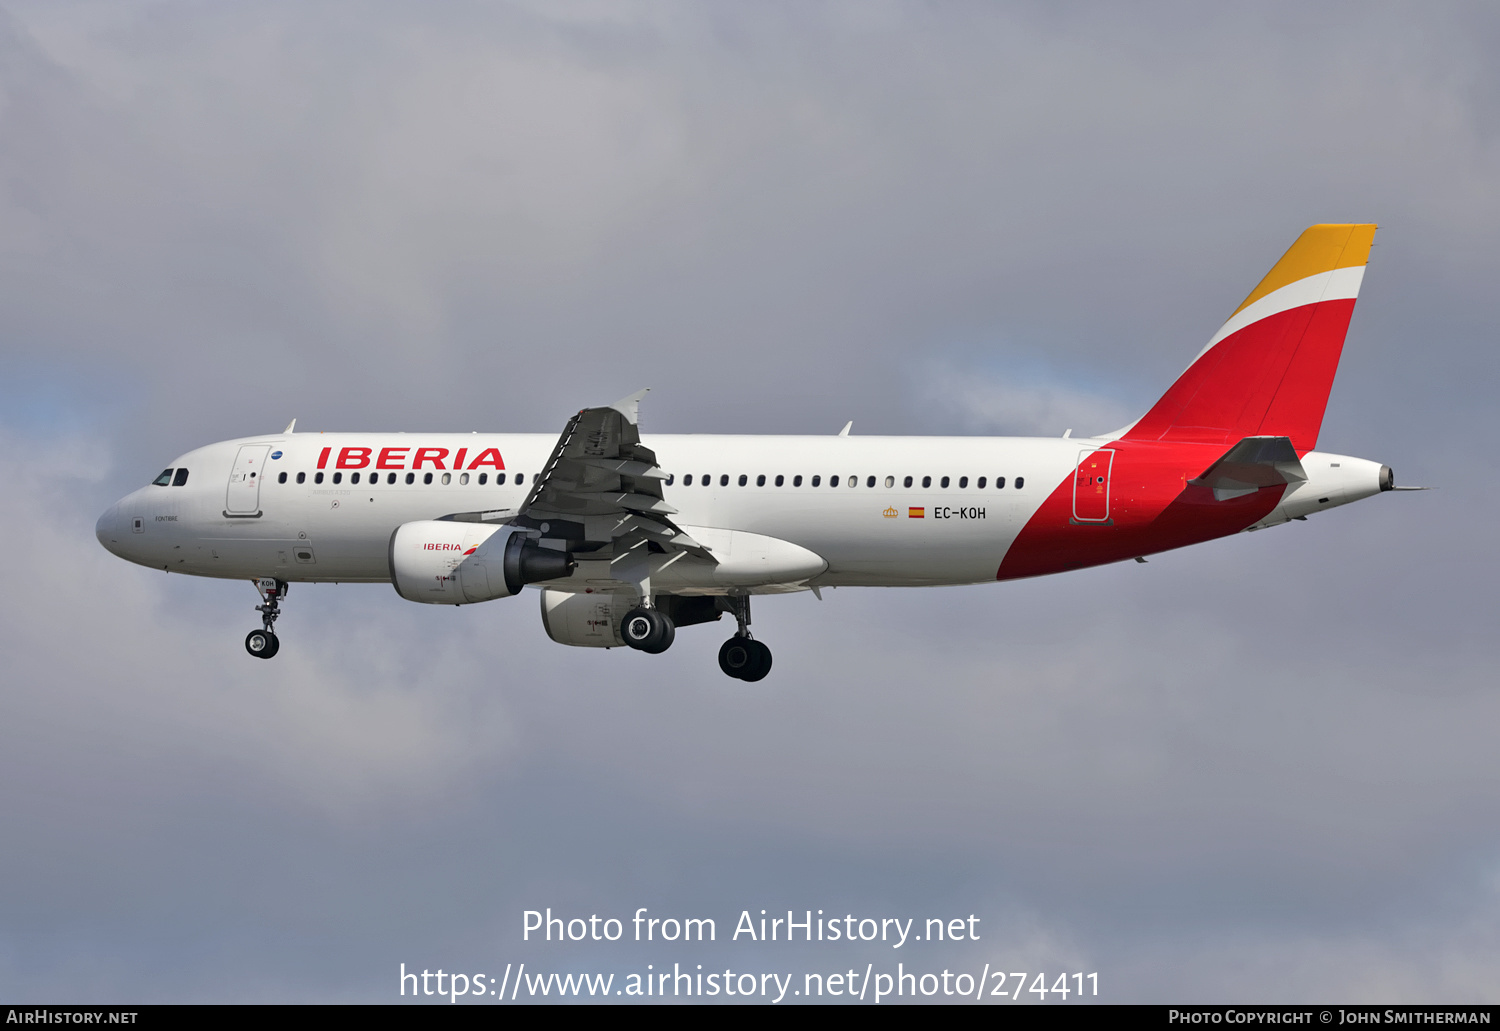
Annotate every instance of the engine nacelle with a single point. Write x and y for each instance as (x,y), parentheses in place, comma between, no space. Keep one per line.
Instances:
(584,620)
(445,562)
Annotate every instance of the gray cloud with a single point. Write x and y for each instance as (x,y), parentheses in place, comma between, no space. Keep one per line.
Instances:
(1258,769)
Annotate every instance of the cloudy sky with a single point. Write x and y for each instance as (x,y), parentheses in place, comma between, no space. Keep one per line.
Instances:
(1262,769)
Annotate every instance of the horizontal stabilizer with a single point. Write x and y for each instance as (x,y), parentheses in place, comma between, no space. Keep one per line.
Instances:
(1253,463)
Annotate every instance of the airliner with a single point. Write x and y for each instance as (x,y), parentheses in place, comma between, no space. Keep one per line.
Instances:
(629,537)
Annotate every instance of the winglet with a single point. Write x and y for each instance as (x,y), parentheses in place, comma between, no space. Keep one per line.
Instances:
(630,407)
(290,426)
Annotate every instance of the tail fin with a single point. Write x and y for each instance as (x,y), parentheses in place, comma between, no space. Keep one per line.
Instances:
(1268,371)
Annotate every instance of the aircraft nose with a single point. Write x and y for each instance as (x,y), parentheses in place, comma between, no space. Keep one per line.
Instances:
(107,529)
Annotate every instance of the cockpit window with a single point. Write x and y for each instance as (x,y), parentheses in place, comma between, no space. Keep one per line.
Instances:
(164,480)
(180,478)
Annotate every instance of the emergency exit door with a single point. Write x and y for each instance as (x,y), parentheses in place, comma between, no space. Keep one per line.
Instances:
(1091,486)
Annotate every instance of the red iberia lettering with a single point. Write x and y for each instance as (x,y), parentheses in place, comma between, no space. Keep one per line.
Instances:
(323,458)
(353,458)
(490,457)
(435,455)
(392,454)
(458,459)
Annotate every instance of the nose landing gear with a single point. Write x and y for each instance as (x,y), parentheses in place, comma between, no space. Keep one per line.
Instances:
(743,657)
(263,643)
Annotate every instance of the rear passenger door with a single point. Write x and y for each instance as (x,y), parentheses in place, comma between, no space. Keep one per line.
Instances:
(1091,486)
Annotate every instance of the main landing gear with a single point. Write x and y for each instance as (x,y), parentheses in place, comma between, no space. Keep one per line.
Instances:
(263,643)
(648,629)
(742,656)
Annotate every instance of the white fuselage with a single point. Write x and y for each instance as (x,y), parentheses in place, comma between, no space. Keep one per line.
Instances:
(327,531)
(262,507)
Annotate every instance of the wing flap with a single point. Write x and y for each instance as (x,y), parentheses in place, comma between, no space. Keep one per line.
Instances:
(601,489)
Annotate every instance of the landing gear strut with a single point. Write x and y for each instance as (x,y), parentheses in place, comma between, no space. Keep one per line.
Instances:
(263,643)
(743,657)
(648,629)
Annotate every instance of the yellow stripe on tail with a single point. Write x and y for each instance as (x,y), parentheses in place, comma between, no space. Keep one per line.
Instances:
(1321,248)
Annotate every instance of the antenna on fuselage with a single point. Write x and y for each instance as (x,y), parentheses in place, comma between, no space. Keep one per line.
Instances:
(847,427)
(290,426)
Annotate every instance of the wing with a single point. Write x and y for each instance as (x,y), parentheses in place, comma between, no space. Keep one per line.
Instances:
(601,489)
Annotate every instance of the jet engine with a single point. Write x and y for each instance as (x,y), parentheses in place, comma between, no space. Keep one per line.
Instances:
(446,562)
(584,620)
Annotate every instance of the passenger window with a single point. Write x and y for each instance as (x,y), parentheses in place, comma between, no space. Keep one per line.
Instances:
(302,477)
(670,478)
(390,478)
(499,479)
(999,482)
(520,479)
(980,482)
(744,479)
(963,481)
(833,481)
(890,481)
(318,478)
(760,481)
(870,481)
(463,479)
(483,477)
(447,479)
(1020,482)
(854,481)
(338,477)
(780,479)
(943,482)
(906,482)
(816,480)
(426,477)
(281,478)
(797,480)
(181,478)
(724,480)
(164,480)
(927,481)
(410,477)
(354,477)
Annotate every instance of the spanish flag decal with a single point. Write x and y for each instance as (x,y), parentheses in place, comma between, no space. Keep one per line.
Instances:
(916,513)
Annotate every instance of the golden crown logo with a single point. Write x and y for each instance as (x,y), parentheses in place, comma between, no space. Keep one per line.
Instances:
(890,513)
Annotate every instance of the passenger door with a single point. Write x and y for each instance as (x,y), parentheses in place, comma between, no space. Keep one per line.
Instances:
(243,498)
(1091,486)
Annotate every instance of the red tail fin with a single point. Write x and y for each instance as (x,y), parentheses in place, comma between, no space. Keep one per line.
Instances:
(1268,371)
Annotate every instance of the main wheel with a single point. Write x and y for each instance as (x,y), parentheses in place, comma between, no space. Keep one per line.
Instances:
(669,634)
(744,658)
(760,663)
(262,644)
(648,630)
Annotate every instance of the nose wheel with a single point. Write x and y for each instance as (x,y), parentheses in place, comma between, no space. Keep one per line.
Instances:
(263,643)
